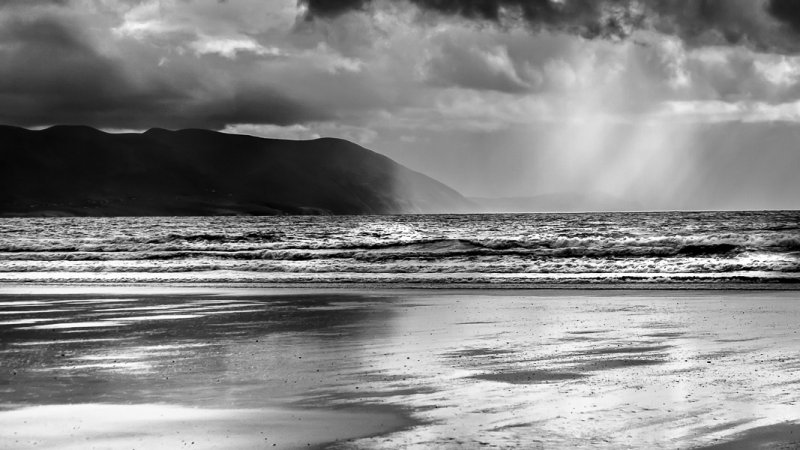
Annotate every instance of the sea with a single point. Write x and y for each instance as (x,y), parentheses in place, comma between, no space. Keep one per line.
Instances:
(650,249)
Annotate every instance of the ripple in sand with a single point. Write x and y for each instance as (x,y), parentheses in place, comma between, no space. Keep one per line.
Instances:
(619,364)
(528,376)
(625,350)
(478,352)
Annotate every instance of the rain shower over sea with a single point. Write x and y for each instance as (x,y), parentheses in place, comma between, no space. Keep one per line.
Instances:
(660,248)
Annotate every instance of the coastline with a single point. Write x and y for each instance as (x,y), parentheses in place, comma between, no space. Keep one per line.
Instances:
(26,286)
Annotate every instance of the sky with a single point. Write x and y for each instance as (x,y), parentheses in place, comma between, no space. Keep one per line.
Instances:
(661,104)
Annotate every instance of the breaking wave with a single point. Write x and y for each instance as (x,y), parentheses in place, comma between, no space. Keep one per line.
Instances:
(650,246)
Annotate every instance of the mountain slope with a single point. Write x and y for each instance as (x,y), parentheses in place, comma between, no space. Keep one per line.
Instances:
(73,170)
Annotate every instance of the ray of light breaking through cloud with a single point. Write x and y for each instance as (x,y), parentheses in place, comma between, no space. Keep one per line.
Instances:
(493,97)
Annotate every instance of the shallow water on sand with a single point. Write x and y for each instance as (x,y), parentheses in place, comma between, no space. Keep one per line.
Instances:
(547,369)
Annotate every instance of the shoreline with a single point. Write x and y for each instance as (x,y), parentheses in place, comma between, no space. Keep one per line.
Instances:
(21,287)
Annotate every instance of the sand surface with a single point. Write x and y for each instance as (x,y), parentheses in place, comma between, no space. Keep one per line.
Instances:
(112,367)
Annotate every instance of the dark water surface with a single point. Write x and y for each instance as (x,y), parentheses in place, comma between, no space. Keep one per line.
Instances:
(475,369)
(652,248)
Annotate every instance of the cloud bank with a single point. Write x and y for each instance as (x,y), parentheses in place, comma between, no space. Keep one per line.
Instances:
(538,96)
(212,64)
(767,25)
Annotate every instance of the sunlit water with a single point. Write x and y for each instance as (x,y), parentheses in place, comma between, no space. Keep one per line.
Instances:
(498,249)
(546,369)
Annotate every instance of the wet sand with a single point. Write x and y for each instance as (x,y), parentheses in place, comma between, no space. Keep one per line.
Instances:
(160,426)
(159,367)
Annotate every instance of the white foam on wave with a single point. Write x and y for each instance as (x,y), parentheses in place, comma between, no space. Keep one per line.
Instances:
(33,311)
(223,303)
(196,308)
(237,311)
(92,301)
(455,249)
(158,317)
(466,277)
(25,321)
(147,308)
(68,325)
(18,303)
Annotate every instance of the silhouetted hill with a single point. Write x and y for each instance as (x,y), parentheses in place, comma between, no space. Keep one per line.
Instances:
(74,170)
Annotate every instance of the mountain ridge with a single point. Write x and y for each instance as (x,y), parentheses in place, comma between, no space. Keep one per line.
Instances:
(80,170)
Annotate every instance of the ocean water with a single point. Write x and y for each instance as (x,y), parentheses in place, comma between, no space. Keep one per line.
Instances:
(502,249)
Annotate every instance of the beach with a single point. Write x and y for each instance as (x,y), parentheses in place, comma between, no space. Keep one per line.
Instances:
(379,225)
(227,367)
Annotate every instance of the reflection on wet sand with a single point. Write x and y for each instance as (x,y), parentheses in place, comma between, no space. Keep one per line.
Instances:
(158,426)
(547,369)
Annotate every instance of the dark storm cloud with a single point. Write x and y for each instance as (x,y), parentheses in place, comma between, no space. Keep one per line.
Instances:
(715,22)
(256,105)
(49,67)
(331,8)
(585,17)
(53,70)
(787,11)
(697,22)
